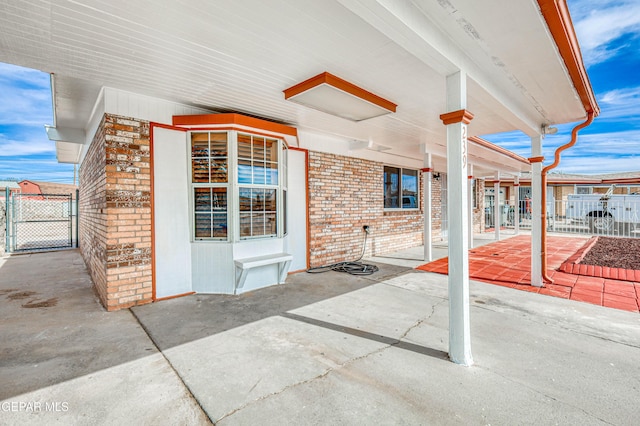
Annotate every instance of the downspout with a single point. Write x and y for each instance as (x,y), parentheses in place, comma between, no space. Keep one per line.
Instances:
(543,234)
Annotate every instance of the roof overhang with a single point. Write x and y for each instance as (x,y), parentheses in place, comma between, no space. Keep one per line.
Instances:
(401,50)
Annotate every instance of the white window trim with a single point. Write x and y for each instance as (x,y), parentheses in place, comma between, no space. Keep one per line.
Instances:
(233,188)
(401,209)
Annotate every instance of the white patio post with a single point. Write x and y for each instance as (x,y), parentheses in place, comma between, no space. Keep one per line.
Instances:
(426,197)
(456,121)
(536,210)
(470,204)
(496,206)
(516,207)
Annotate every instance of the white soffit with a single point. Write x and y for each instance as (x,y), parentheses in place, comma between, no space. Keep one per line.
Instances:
(232,56)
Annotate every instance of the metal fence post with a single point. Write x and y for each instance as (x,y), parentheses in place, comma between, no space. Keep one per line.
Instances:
(77,218)
(6,218)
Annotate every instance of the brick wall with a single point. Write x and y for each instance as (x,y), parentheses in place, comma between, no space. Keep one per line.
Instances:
(347,193)
(115,212)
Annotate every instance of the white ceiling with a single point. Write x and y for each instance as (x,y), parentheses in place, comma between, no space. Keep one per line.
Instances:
(234,55)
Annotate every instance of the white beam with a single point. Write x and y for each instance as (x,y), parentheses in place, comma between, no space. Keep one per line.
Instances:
(536,211)
(426,199)
(516,207)
(470,204)
(496,206)
(65,134)
(457,149)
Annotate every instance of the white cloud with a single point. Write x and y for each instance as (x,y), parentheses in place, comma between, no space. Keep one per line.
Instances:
(31,142)
(599,23)
(25,96)
(619,104)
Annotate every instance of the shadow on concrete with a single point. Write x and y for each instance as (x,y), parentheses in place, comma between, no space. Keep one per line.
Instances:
(178,321)
(423,350)
(54,328)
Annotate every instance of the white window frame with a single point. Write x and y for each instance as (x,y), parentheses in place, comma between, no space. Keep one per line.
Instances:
(233,188)
(401,209)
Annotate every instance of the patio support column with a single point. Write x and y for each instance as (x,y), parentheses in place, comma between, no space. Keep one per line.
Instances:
(516,207)
(536,210)
(496,206)
(426,197)
(456,121)
(470,203)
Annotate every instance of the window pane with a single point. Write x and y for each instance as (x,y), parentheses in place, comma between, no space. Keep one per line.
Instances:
(200,170)
(271,150)
(258,148)
(203,225)
(269,200)
(202,199)
(409,189)
(244,171)
(219,170)
(258,172)
(244,146)
(210,206)
(272,174)
(270,224)
(257,212)
(218,144)
(245,225)
(245,199)
(220,225)
(199,145)
(391,187)
(209,157)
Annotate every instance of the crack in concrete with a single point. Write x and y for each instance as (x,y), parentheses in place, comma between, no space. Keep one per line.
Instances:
(186,387)
(421,321)
(339,366)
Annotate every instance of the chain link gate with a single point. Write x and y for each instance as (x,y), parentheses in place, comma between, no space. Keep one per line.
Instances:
(39,221)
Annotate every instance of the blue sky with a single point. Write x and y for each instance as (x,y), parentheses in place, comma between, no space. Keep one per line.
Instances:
(609,36)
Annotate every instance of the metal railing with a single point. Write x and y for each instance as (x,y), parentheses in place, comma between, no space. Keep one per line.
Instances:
(40,221)
(589,215)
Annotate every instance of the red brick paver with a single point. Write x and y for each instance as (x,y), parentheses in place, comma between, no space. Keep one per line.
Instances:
(508,263)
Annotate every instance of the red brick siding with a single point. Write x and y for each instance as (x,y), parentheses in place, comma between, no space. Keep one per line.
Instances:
(117,223)
(344,195)
(93,212)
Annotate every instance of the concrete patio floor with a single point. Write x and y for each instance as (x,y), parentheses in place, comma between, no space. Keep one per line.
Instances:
(321,349)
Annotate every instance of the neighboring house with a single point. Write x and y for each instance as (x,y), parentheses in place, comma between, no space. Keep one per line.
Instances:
(216,138)
(37,187)
(560,185)
(12,185)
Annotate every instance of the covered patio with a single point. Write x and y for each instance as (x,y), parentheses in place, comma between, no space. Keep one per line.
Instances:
(219,136)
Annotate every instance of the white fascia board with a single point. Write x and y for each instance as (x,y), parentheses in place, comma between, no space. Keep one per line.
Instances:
(408,27)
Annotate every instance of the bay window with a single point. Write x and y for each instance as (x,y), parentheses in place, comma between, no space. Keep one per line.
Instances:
(238,185)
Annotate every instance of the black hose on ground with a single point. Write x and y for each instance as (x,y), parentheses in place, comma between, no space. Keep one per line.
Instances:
(354,267)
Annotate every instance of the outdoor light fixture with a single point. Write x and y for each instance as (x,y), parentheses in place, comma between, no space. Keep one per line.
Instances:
(549,130)
(328,93)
